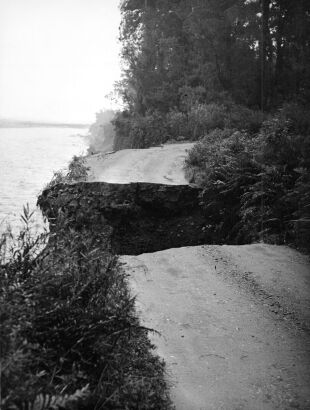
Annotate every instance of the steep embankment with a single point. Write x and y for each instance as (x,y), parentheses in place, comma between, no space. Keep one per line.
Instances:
(136,217)
(234,320)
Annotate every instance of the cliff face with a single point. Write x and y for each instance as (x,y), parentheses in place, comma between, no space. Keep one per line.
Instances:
(136,217)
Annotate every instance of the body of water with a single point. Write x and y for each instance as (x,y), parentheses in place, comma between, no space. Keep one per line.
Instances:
(28,159)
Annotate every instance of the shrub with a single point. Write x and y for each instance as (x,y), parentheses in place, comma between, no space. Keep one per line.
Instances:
(300,193)
(218,135)
(266,210)
(102,132)
(202,118)
(69,334)
(177,124)
(281,147)
(223,168)
(122,124)
(155,129)
(297,116)
(77,172)
(254,187)
(243,118)
(140,131)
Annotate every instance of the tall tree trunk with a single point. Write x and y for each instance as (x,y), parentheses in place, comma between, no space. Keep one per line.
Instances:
(278,77)
(265,52)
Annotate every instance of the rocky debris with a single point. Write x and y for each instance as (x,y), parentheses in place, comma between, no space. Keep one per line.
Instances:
(137,217)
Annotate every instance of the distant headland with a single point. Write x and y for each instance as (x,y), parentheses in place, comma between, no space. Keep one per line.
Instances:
(7,123)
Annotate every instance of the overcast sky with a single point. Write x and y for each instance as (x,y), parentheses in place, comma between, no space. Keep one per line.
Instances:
(58,58)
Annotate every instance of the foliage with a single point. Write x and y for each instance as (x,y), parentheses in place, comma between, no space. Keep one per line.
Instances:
(102,133)
(242,118)
(137,131)
(297,118)
(255,186)
(202,118)
(69,334)
(77,172)
(154,128)
(177,125)
(205,62)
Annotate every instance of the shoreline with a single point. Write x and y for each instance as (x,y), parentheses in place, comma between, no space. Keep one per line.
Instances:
(232,293)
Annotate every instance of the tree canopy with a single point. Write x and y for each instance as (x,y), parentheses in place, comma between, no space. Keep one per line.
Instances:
(255,52)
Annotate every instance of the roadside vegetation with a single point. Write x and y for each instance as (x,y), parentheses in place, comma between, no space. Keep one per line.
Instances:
(77,172)
(70,336)
(256,186)
(102,132)
(193,66)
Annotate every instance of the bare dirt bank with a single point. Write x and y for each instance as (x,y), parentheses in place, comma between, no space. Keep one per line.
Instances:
(232,324)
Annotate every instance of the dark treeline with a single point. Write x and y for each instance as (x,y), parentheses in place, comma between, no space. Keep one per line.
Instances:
(233,75)
(243,48)
(179,53)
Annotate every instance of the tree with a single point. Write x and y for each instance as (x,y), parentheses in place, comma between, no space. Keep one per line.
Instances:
(178,53)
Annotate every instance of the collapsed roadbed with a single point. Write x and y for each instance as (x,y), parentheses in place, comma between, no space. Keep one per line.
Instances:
(137,217)
(234,320)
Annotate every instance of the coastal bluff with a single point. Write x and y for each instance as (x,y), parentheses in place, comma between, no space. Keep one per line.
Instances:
(137,217)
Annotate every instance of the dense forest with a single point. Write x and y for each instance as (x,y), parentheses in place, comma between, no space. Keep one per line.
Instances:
(233,75)
(181,55)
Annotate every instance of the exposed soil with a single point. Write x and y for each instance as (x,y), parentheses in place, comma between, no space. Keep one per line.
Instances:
(229,342)
(135,217)
(233,320)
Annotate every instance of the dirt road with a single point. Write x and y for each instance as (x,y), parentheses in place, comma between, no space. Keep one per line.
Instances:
(234,320)
(161,165)
(232,323)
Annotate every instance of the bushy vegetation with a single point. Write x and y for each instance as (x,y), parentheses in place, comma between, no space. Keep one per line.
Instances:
(141,131)
(256,186)
(70,337)
(154,128)
(77,172)
(102,133)
(197,65)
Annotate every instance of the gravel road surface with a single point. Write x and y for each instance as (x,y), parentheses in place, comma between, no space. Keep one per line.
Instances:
(234,324)
(161,165)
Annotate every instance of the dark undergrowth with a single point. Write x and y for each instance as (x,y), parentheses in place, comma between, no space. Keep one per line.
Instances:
(70,337)
(256,186)
(191,123)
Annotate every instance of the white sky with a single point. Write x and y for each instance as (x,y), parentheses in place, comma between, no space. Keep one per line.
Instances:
(58,58)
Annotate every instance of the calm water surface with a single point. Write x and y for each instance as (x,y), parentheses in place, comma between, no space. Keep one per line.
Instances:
(28,159)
